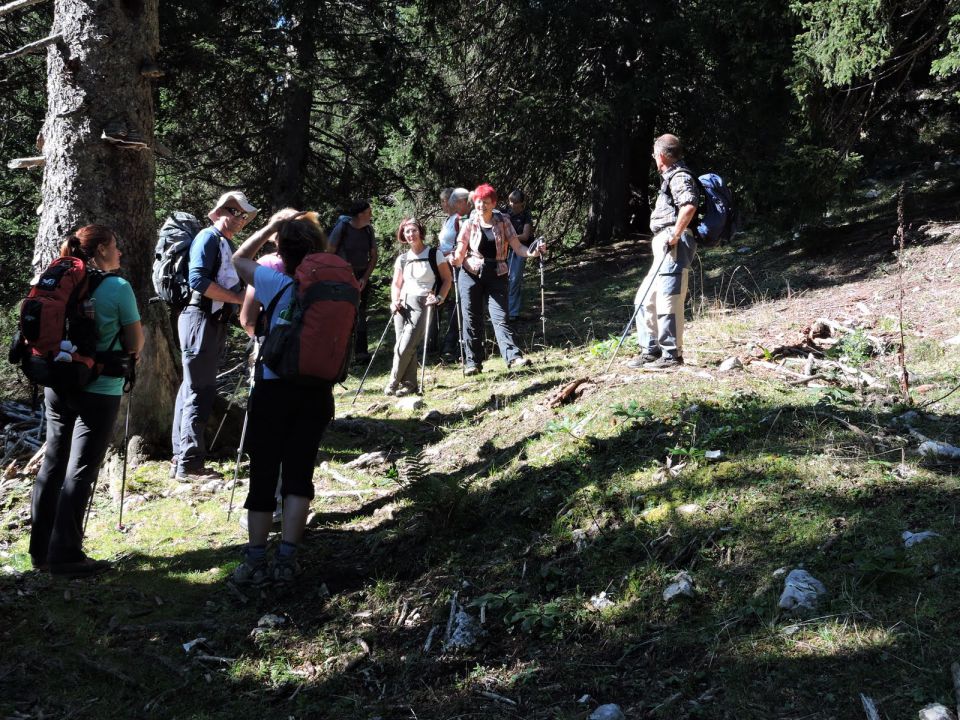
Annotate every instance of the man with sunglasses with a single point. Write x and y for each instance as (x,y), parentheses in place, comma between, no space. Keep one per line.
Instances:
(216,292)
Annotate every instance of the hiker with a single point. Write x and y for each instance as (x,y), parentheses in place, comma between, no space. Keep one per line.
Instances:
(522,222)
(353,239)
(202,326)
(80,423)
(421,280)
(286,419)
(458,205)
(663,293)
(445,200)
(482,252)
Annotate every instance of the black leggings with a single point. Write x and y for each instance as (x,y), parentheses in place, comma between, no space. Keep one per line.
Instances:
(79,426)
(284,428)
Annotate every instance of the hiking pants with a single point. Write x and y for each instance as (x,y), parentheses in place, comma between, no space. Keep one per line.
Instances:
(515,263)
(202,341)
(285,424)
(79,426)
(451,341)
(409,328)
(491,289)
(660,321)
(360,335)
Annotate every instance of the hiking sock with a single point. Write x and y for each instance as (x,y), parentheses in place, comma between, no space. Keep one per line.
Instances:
(255,553)
(286,551)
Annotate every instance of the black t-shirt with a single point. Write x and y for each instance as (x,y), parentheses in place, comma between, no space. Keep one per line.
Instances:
(488,245)
(354,245)
(519,220)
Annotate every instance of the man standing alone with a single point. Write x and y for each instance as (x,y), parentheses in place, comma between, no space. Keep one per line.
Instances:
(355,242)
(215,291)
(664,289)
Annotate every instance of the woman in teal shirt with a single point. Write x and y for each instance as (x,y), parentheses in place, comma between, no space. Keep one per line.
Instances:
(80,423)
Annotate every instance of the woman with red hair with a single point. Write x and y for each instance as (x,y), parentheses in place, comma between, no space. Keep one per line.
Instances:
(482,253)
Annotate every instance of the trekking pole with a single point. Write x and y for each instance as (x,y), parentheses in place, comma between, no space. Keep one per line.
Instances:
(243,435)
(423,366)
(543,307)
(126,451)
(233,397)
(372,358)
(636,310)
(462,344)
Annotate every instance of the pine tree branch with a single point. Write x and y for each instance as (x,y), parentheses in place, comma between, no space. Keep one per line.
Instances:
(17,5)
(32,47)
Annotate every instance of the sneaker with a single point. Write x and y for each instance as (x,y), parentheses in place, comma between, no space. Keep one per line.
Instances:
(286,570)
(664,362)
(252,572)
(390,389)
(200,475)
(403,391)
(88,567)
(471,370)
(518,362)
(647,356)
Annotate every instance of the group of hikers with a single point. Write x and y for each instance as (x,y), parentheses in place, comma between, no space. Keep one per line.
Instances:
(479,257)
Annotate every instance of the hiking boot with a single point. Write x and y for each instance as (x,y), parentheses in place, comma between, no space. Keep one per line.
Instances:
(251,572)
(664,362)
(471,370)
(88,567)
(518,363)
(648,356)
(200,475)
(286,570)
(390,389)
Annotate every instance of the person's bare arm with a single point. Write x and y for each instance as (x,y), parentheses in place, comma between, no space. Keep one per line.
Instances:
(131,337)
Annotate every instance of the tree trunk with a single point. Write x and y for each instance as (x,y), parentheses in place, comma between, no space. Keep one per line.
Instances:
(294,135)
(94,83)
(608,203)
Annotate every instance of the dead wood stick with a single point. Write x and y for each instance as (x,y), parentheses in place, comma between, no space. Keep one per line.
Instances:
(866,439)
(869,707)
(32,47)
(869,379)
(17,5)
(429,642)
(955,672)
(878,343)
(359,492)
(453,612)
(780,369)
(497,698)
(808,378)
(339,477)
(25,162)
(107,670)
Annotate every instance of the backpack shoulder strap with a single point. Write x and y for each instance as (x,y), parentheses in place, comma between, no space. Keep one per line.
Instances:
(272,305)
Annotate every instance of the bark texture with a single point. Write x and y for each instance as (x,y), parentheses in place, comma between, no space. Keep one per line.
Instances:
(94,83)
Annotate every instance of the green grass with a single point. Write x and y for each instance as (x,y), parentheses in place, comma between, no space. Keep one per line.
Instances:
(532,511)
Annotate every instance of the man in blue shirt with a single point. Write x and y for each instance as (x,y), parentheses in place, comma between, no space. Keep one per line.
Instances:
(216,290)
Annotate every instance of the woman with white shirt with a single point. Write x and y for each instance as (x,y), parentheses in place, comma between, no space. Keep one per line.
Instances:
(421,279)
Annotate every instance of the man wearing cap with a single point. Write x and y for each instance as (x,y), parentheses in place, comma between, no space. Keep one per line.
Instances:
(216,290)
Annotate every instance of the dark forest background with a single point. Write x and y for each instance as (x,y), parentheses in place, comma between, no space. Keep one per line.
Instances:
(314,103)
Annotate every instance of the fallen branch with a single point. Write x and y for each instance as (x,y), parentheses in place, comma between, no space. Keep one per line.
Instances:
(879,344)
(569,392)
(32,47)
(782,370)
(359,492)
(497,698)
(866,439)
(334,475)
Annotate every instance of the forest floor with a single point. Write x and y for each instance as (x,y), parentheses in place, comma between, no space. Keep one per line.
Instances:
(556,527)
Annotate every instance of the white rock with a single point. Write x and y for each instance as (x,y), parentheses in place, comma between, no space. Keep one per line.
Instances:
(608,712)
(713,454)
(466,631)
(271,621)
(410,403)
(584,700)
(689,509)
(189,646)
(910,539)
(871,194)
(744,250)
(600,601)
(182,489)
(378,457)
(682,585)
(730,364)
(934,449)
(211,486)
(955,340)
(936,711)
(779,572)
(801,592)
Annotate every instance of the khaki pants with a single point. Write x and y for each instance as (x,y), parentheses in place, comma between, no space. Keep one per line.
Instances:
(663,292)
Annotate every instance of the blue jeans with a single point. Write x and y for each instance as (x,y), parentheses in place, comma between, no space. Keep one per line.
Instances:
(474,291)
(515,263)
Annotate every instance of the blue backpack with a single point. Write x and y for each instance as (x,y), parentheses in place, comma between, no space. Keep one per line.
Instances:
(718,218)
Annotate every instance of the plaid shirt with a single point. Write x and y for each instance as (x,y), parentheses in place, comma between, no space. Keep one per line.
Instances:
(471,235)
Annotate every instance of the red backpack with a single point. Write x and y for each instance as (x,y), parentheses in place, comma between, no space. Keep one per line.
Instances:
(317,345)
(56,341)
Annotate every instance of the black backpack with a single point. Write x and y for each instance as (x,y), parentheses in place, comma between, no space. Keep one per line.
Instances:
(171,265)
(431,258)
(717,219)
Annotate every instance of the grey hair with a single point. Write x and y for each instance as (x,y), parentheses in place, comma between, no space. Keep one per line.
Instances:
(668,145)
(459,194)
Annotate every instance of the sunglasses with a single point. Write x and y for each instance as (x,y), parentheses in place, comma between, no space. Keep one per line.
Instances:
(237,213)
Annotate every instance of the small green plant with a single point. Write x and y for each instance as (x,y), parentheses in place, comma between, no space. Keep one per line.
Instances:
(603,348)
(855,347)
(633,410)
